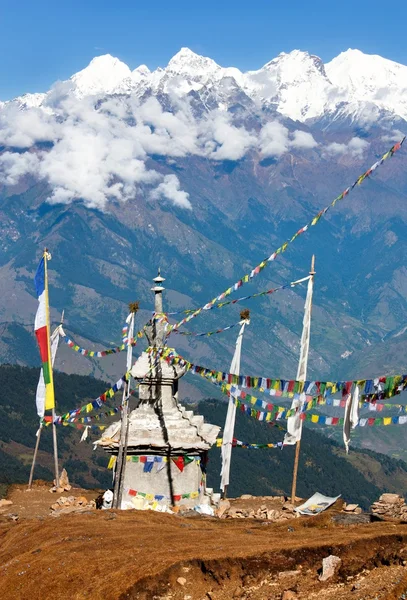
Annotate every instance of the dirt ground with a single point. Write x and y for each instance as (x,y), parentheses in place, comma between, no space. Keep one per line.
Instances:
(133,555)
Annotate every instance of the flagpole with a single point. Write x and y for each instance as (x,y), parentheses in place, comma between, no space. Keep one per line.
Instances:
(301,376)
(37,443)
(54,429)
(124,428)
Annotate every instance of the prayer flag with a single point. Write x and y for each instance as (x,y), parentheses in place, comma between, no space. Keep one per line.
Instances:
(42,332)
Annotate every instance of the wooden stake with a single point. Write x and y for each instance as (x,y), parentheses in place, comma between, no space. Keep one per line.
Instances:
(295,471)
(37,443)
(298,443)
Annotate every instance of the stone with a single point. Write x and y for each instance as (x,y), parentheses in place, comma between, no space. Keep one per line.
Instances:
(330,565)
(350,507)
(5,502)
(246,497)
(286,574)
(80,500)
(223,507)
(63,479)
(289,595)
(181,580)
(390,498)
(288,506)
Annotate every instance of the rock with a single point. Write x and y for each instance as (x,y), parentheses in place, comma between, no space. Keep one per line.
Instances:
(350,507)
(330,564)
(223,507)
(286,574)
(390,498)
(63,480)
(181,580)
(5,502)
(80,500)
(246,497)
(289,595)
(288,506)
(351,518)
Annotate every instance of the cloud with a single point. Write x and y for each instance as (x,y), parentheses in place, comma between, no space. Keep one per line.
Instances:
(355,148)
(276,139)
(303,139)
(273,139)
(97,149)
(170,188)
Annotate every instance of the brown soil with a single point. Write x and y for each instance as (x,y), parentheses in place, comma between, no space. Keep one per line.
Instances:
(133,555)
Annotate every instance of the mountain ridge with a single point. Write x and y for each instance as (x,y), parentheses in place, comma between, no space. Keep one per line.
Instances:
(299,84)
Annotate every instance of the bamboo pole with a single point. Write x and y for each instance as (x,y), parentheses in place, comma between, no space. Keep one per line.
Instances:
(298,443)
(124,426)
(37,443)
(120,452)
(54,439)
(54,431)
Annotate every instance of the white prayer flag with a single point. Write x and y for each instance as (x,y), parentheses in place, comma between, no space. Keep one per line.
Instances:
(294,423)
(229,428)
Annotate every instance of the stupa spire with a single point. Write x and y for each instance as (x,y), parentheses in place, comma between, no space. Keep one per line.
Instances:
(158,291)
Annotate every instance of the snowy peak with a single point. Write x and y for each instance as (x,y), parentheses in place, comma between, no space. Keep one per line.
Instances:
(187,62)
(102,75)
(296,83)
(296,65)
(368,75)
(369,78)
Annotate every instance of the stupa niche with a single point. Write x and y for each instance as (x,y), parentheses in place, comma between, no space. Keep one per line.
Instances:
(167,445)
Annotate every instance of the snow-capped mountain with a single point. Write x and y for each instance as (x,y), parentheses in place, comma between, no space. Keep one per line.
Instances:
(297,85)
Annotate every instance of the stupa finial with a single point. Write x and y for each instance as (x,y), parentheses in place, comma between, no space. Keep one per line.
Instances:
(158,291)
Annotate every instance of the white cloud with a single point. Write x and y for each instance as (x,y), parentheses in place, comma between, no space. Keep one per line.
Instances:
(355,148)
(170,188)
(303,139)
(276,139)
(273,139)
(97,150)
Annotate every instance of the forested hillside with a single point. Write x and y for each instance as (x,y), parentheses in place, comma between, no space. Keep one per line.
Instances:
(324,467)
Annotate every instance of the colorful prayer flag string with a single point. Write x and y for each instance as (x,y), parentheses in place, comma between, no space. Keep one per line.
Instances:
(284,246)
(102,353)
(208,333)
(372,390)
(158,497)
(238,444)
(244,298)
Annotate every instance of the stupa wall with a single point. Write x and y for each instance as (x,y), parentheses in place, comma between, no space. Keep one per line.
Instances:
(142,487)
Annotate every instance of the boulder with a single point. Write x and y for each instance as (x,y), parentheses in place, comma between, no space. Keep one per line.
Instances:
(330,565)
(350,507)
(223,507)
(390,499)
(4,503)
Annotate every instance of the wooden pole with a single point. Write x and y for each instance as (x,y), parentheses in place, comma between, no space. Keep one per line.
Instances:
(295,471)
(124,426)
(54,438)
(54,431)
(298,443)
(37,443)
(120,453)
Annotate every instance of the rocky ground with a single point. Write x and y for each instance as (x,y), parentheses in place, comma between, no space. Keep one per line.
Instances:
(113,555)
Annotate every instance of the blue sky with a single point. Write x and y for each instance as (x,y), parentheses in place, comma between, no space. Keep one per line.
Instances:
(42,41)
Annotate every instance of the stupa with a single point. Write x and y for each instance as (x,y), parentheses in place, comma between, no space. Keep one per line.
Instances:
(167,445)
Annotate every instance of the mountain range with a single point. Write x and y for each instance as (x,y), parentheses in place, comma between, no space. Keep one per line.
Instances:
(204,170)
(297,84)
